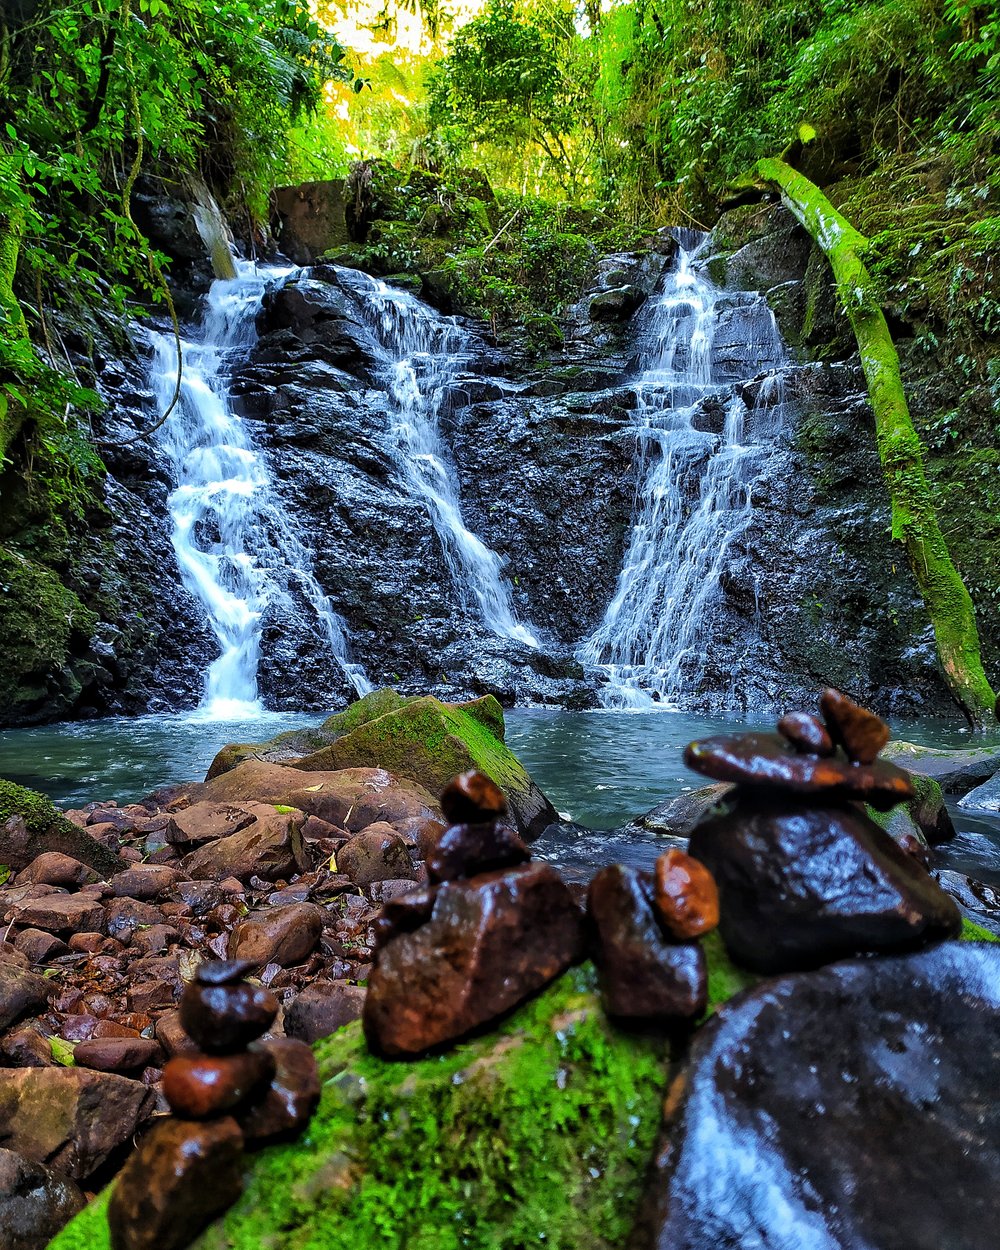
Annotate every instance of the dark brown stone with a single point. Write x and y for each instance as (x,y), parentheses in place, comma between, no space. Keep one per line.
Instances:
(490,943)
(199,1087)
(278,935)
(60,913)
(322,1008)
(116,1054)
(225,1018)
(377,853)
(206,822)
(269,848)
(409,911)
(643,975)
(182,1176)
(799,887)
(686,898)
(122,916)
(54,868)
(35,1202)
(222,971)
(861,733)
(144,881)
(25,1048)
(807,733)
(172,1035)
(293,1095)
(39,946)
(768,762)
(846,1108)
(465,850)
(472,799)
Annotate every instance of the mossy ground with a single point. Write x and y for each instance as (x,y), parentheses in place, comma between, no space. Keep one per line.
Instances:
(37,812)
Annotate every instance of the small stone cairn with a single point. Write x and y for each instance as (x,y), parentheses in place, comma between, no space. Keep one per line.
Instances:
(234,1092)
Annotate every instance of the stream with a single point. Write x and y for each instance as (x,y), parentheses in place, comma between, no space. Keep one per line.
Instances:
(600,769)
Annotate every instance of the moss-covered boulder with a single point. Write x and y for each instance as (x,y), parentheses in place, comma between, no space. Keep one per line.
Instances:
(30,824)
(538,1134)
(429,742)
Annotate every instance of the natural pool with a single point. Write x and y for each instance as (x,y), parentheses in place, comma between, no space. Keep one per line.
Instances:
(599,769)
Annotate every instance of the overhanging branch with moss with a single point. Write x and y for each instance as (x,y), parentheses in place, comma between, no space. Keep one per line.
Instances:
(914,518)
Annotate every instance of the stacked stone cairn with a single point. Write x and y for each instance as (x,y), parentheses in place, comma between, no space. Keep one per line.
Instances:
(231,1092)
(805,875)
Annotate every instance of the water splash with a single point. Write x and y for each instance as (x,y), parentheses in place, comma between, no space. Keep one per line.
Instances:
(700,447)
(423,353)
(238,553)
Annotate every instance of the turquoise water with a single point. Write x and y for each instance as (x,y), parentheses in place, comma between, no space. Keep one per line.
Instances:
(599,769)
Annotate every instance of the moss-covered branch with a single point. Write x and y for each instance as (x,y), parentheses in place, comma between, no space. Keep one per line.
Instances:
(914,520)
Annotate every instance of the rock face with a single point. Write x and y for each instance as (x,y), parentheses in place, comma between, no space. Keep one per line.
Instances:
(882,1131)
(489,943)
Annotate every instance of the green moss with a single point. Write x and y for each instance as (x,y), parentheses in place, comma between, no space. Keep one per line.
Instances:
(364,710)
(539,1134)
(37,811)
(976,933)
(430,742)
(724,977)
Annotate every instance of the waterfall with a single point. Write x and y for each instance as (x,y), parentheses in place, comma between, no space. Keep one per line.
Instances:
(423,353)
(700,446)
(236,549)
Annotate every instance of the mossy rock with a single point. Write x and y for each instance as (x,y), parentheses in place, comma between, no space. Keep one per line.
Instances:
(45,829)
(538,1134)
(923,817)
(43,626)
(429,742)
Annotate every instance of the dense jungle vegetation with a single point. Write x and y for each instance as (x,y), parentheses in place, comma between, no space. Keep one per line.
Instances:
(594,123)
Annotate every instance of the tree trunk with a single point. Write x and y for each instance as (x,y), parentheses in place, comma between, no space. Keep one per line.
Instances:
(914,520)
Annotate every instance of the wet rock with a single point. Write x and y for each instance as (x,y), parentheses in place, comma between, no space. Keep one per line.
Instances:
(144,881)
(54,868)
(225,1018)
(490,943)
(881,1129)
(269,848)
(199,1087)
(643,974)
(806,732)
(464,850)
(173,1036)
(685,896)
(678,816)
(768,762)
(322,1008)
(182,1176)
(472,798)
(35,1202)
(206,822)
(154,940)
(39,946)
(116,1054)
(292,1097)
(25,1048)
(956,772)
(861,733)
(60,913)
(122,916)
(377,853)
(69,1118)
(384,891)
(979,902)
(800,886)
(21,993)
(984,798)
(279,935)
(19,845)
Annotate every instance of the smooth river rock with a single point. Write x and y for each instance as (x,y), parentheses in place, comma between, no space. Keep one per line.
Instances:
(35,1202)
(852,1108)
(801,886)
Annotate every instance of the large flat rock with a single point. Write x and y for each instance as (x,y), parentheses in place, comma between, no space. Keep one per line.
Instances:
(849,1108)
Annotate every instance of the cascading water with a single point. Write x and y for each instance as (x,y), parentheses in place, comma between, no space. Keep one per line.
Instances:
(237,552)
(423,355)
(700,447)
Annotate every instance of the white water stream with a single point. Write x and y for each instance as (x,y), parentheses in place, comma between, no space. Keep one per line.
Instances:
(693,499)
(423,354)
(236,549)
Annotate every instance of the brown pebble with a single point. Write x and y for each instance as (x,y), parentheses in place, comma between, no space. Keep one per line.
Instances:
(861,733)
(116,1054)
(293,1096)
(465,850)
(806,733)
(686,898)
(472,799)
(222,971)
(199,1087)
(225,1018)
